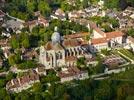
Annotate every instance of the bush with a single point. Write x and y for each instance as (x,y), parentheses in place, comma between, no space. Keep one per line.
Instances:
(27,65)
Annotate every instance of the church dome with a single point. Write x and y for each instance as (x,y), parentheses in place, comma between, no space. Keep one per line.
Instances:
(56,37)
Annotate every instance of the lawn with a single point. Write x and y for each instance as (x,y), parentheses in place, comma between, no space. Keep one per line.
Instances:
(127,53)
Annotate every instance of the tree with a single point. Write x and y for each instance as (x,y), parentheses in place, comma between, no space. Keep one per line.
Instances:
(131,32)
(31,6)
(37,87)
(24,95)
(107,28)
(25,43)
(12,59)
(81,62)
(85,3)
(112,4)
(24,40)
(44,8)
(10,76)
(66,96)
(14,42)
(2,82)
(103,92)
(115,23)
(3,94)
(66,7)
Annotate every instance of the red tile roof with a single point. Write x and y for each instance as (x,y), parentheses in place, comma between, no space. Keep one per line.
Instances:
(33,22)
(72,42)
(99,41)
(71,71)
(18,82)
(114,34)
(71,58)
(65,43)
(77,35)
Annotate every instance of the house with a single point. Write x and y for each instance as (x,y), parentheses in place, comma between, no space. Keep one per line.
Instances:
(77,14)
(2,3)
(18,84)
(13,24)
(4,44)
(130,41)
(40,21)
(29,54)
(37,13)
(101,3)
(2,15)
(31,24)
(71,2)
(59,14)
(94,11)
(43,21)
(72,73)
(41,70)
(101,40)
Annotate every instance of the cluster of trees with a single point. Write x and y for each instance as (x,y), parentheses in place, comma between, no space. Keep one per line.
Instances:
(107,23)
(21,40)
(118,4)
(24,9)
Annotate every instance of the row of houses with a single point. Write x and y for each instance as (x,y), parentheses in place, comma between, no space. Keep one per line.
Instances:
(22,83)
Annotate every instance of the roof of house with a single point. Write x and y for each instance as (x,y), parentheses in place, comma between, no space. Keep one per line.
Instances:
(51,46)
(59,12)
(71,58)
(18,82)
(114,34)
(4,42)
(64,44)
(42,19)
(77,35)
(29,23)
(13,24)
(72,42)
(70,71)
(2,13)
(98,41)
(131,39)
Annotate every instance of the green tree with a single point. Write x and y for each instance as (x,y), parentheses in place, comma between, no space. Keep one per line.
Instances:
(44,8)
(24,40)
(115,23)
(131,32)
(12,59)
(10,76)
(31,6)
(14,42)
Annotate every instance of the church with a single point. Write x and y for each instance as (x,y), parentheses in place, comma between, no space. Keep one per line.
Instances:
(65,50)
